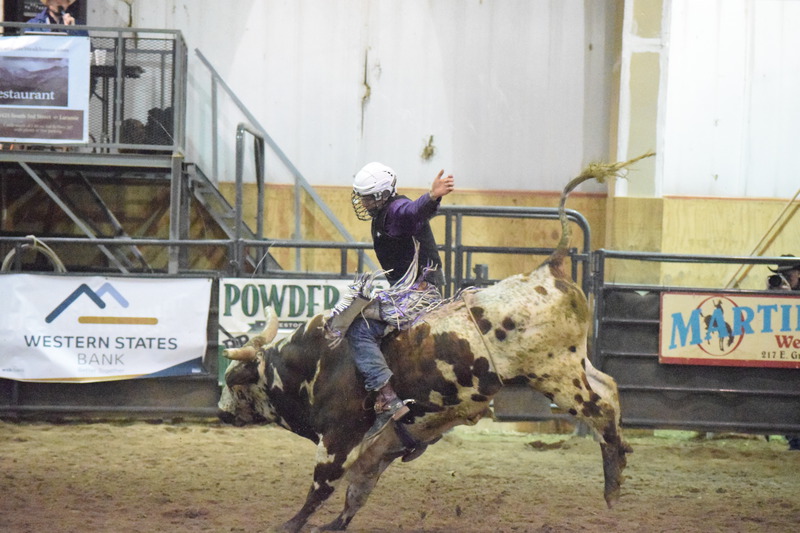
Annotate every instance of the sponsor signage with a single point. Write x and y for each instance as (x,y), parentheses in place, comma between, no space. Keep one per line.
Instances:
(703,328)
(242,303)
(44,89)
(82,329)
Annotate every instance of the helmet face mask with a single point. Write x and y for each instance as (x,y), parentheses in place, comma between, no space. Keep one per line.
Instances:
(367,206)
(373,186)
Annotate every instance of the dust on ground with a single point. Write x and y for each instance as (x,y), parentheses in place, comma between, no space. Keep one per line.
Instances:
(202,476)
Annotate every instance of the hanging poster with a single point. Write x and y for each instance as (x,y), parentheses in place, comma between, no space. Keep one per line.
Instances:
(294,302)
(699,328)
(44,89)
(80,329)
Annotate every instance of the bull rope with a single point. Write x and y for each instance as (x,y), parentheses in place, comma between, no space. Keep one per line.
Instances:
(463,296)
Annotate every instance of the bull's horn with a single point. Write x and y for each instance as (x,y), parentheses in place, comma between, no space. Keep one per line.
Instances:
(270,329)
(247,353)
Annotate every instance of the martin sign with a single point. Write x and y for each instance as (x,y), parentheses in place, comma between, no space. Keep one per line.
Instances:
(730,329)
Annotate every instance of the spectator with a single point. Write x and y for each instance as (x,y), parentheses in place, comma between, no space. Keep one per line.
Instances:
(58,12)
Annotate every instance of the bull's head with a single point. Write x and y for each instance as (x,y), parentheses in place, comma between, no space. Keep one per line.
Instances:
(244,397)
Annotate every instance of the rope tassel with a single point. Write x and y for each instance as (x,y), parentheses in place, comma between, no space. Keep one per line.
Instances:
(401,306)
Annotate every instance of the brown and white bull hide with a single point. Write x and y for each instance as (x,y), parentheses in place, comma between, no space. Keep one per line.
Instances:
(528,328)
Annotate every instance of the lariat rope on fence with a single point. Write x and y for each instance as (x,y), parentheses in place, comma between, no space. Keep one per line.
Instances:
(37,246)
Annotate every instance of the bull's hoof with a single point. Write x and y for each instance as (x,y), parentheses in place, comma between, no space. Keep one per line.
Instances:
(337,525)
(289,527)
(416,452)
(612,495)
(614,462)
(419,449)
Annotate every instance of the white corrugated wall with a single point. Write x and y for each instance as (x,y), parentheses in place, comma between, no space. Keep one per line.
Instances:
(515,93)
(733,99)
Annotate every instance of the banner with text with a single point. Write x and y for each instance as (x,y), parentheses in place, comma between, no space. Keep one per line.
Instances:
(44,89)
(730,330)
(82,329)
(242,302)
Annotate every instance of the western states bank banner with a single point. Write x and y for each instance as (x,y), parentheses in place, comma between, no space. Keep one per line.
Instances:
(242,303)
(730,330)
(44,89)
(82,329)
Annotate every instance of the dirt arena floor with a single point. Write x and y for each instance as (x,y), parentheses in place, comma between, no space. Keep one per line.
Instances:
(201,476)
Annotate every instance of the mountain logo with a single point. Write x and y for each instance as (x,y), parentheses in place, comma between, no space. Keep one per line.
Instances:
(97,298)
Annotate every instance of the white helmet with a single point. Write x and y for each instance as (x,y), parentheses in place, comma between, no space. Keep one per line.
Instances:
(375,180)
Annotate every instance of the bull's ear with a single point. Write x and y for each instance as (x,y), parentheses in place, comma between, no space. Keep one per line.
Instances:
(244,374)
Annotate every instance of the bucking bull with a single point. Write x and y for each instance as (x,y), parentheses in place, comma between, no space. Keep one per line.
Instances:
(526,329)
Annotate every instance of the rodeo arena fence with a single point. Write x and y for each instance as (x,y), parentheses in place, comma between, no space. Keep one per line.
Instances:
(698,358)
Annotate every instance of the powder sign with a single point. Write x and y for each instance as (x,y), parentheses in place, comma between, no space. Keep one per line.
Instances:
(242,302)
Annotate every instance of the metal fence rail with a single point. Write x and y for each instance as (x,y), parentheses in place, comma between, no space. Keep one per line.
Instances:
(457,255)
(624,344)
(197,395)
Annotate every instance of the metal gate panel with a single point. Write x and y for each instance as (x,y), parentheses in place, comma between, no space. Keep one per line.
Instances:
(692,397)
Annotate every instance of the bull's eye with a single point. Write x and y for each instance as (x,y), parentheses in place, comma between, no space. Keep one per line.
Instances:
(242,374)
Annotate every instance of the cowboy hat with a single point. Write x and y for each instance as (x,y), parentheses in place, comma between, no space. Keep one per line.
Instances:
(786,268)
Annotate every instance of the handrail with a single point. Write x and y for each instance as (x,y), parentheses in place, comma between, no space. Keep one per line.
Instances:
(690,258)
(258,136)
(300,180)
(114,29)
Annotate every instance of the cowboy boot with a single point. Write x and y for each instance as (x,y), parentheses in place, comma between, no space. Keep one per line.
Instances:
(387,407)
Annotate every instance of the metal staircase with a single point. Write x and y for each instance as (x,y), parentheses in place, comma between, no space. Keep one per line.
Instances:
(217,206)
(77,197)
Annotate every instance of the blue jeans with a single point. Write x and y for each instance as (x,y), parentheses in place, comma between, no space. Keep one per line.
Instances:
(365,336)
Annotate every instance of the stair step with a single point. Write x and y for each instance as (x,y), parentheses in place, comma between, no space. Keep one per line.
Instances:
(209,196)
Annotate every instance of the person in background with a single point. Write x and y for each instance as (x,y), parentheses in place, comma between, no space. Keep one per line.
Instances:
(58,12)
(786,277)
(397,222)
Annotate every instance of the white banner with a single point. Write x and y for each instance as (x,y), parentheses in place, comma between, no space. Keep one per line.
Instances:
(72,329)
(44,89)
(242,302)
(700,328)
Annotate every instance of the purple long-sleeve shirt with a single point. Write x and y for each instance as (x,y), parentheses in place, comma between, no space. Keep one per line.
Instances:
(406,217)
(394,230)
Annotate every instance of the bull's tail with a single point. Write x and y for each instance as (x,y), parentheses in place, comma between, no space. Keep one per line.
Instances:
(599,172)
